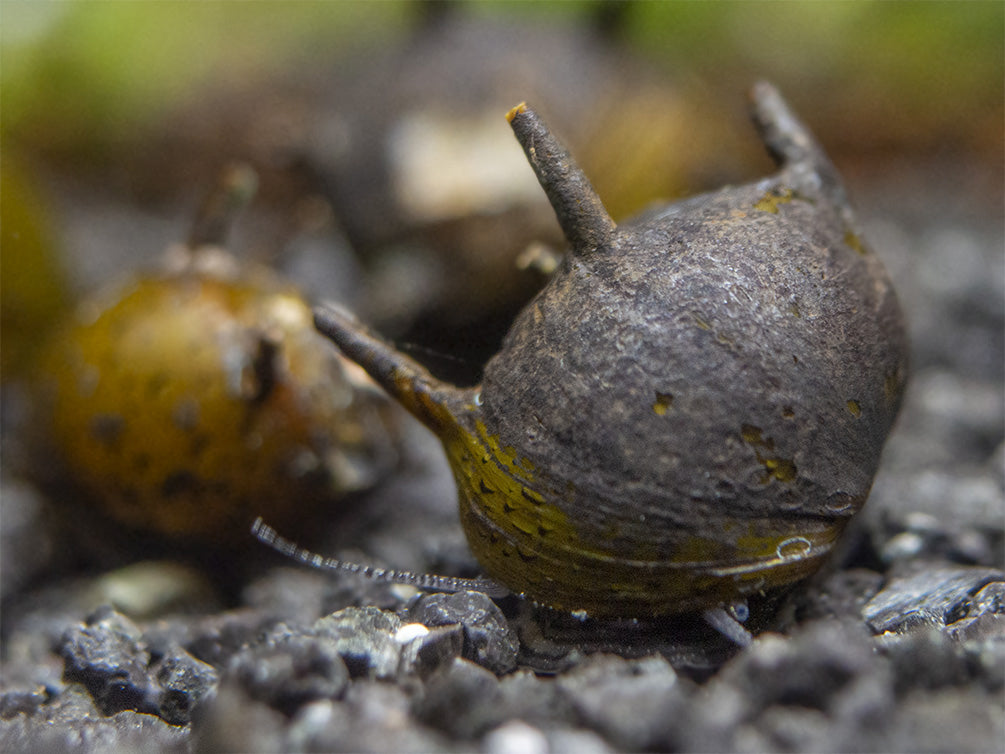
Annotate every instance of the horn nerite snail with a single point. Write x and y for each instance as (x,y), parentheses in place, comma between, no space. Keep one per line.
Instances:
(691,410)
(184,400)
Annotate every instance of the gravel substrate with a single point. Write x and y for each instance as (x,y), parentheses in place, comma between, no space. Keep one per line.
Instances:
(898,645)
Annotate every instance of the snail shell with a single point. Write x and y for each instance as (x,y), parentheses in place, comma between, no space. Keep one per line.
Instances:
(692,409)
(186,400)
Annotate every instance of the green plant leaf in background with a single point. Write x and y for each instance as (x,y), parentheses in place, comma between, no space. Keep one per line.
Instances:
(78,72)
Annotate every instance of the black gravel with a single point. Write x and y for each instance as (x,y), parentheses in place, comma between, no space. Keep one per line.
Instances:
(898,645)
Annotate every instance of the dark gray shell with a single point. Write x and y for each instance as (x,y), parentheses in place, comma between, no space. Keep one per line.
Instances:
(739,354)
(693,407)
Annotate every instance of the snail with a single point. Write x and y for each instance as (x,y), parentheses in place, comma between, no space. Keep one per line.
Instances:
(33,287)
(186,400)
(693,407)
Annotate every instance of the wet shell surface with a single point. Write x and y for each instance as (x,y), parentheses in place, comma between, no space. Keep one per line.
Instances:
(692,409)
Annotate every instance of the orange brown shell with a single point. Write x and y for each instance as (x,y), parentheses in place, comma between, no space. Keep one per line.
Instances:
(189,402)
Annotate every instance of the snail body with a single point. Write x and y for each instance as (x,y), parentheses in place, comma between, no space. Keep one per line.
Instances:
(691,410)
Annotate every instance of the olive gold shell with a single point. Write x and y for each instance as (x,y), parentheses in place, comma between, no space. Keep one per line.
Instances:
(692,409)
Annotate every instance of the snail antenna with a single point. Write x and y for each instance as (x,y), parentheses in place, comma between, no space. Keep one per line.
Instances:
(728,622)
(585,222)
(268,536)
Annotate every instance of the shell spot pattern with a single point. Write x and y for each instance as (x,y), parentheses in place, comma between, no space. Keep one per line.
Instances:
(772,199)
(782,469)
(662,404)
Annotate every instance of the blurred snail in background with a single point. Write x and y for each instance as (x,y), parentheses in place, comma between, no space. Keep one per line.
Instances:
(187,401)
(692,409)
(33,289)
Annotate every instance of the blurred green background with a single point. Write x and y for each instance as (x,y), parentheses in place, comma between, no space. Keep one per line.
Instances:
(140,103)
(886,73)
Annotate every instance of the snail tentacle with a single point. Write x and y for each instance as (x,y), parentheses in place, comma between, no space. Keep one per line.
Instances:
(270,537)
(722,621)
